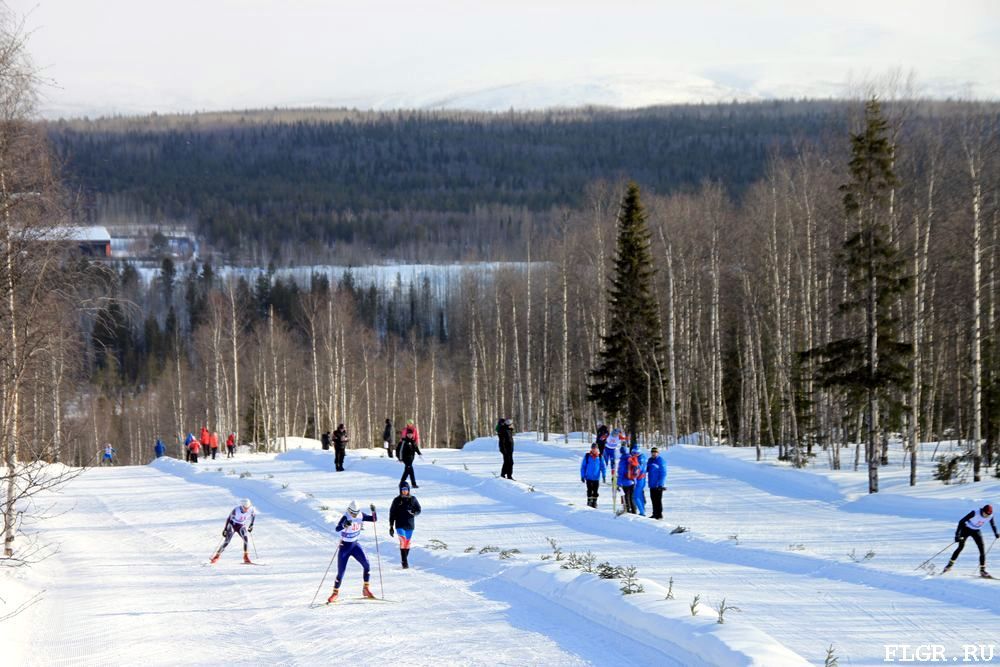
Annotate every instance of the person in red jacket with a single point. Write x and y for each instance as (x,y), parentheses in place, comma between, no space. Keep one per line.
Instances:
(214,444)
(230,445)
(410,431)
(205,439)
(193,449)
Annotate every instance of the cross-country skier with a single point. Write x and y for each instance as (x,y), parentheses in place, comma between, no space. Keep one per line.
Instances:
(240,521)
(593,472)
(349,528)
(971,525)
(401,520)
(108,455)
(610,447)
(602,436)
(626,480)
(656,471)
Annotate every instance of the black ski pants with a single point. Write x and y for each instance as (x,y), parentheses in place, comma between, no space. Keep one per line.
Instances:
(975,535)
(507,469)
(656,495)
(629,493)
(593,490)
(408,471)
(339,457)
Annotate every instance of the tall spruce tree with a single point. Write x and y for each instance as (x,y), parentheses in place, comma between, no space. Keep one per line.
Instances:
(869,364)
(628,366)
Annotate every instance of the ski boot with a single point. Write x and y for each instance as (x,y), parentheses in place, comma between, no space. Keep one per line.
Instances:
(984,574)
(948,566)
(246,558)
(333,596)
(367,593)
(404,553)
(214,559)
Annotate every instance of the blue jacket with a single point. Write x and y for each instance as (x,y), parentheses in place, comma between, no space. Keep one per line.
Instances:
(623,480)
(642,465)
(159,448)
(656,469)
(593,468)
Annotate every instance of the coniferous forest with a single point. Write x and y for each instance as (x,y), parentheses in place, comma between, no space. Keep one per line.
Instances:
(765,226)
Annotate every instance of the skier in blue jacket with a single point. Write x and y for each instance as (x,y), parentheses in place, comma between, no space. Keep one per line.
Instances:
(640,482)
(656,477)
(593,471)
(349,527)
(626,481)
(159,448)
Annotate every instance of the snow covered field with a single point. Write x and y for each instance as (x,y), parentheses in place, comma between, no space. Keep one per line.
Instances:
(807,557)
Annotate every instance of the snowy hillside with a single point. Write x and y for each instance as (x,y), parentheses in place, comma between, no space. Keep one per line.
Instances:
(808,559)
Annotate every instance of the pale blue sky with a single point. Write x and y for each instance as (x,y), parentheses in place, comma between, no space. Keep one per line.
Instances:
(131,56)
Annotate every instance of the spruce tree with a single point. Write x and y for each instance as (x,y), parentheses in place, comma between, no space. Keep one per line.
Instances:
(869,364)
(628,366)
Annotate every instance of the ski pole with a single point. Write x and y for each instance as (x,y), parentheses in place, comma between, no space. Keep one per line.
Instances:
(991,545)
(321,581)
(254,545)
(378,557)
(935,556)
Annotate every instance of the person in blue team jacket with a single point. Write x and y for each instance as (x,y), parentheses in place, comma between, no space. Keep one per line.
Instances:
(656,477)
(159,448)
(640,481)
(593,472)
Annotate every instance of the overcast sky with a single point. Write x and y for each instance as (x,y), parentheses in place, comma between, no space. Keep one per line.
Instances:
(134,56)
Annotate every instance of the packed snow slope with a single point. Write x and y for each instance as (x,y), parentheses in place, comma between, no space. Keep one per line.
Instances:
(805,559)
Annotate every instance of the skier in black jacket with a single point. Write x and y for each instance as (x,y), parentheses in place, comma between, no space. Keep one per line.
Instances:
(401,520)
(387,437)
(971,525)
(340,444)
(405,451)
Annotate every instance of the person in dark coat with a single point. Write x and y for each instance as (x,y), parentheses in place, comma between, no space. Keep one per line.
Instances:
(406,449)
(387,437)
(505,433)
(340,445)
(602,437)
(401,520)
(325,440)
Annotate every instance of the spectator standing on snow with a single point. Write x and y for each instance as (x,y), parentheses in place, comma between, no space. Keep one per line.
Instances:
(193,450)
(402,512)
(505,432)
(159,448)
(214,444)
(593,472)
(639,494)
(325,440)
(387,437)
(340,445)
(187,446)
(231,446)
(656,474)
(205,440)
(240,521)
(626,480)
(349,527)
(405,451)
(971,525)
(411,430)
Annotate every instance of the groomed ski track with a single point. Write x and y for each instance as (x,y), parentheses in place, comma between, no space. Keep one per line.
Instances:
(773,543)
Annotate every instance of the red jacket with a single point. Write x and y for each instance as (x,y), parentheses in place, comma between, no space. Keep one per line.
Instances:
(215,440)
(195,447)
(231,440)
(206,439)
(413,433)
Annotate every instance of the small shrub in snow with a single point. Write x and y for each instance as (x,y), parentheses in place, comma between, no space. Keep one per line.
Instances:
(679,529)
(489,549)
(285,485)
(324,508)
(831,658)
(531,488)
(309,495)
(270,476)
(735,538)
(466,466)
(436,545)
(557,553)
(723,608)
(947,468)
(469,550)
(694,605)
(670,589)
(630,581)
(507,554)
(218,470)
(608,571)
(859,559)
(245,474)
(796,547)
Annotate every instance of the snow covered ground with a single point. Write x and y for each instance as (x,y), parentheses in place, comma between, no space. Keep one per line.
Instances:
(808,558)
